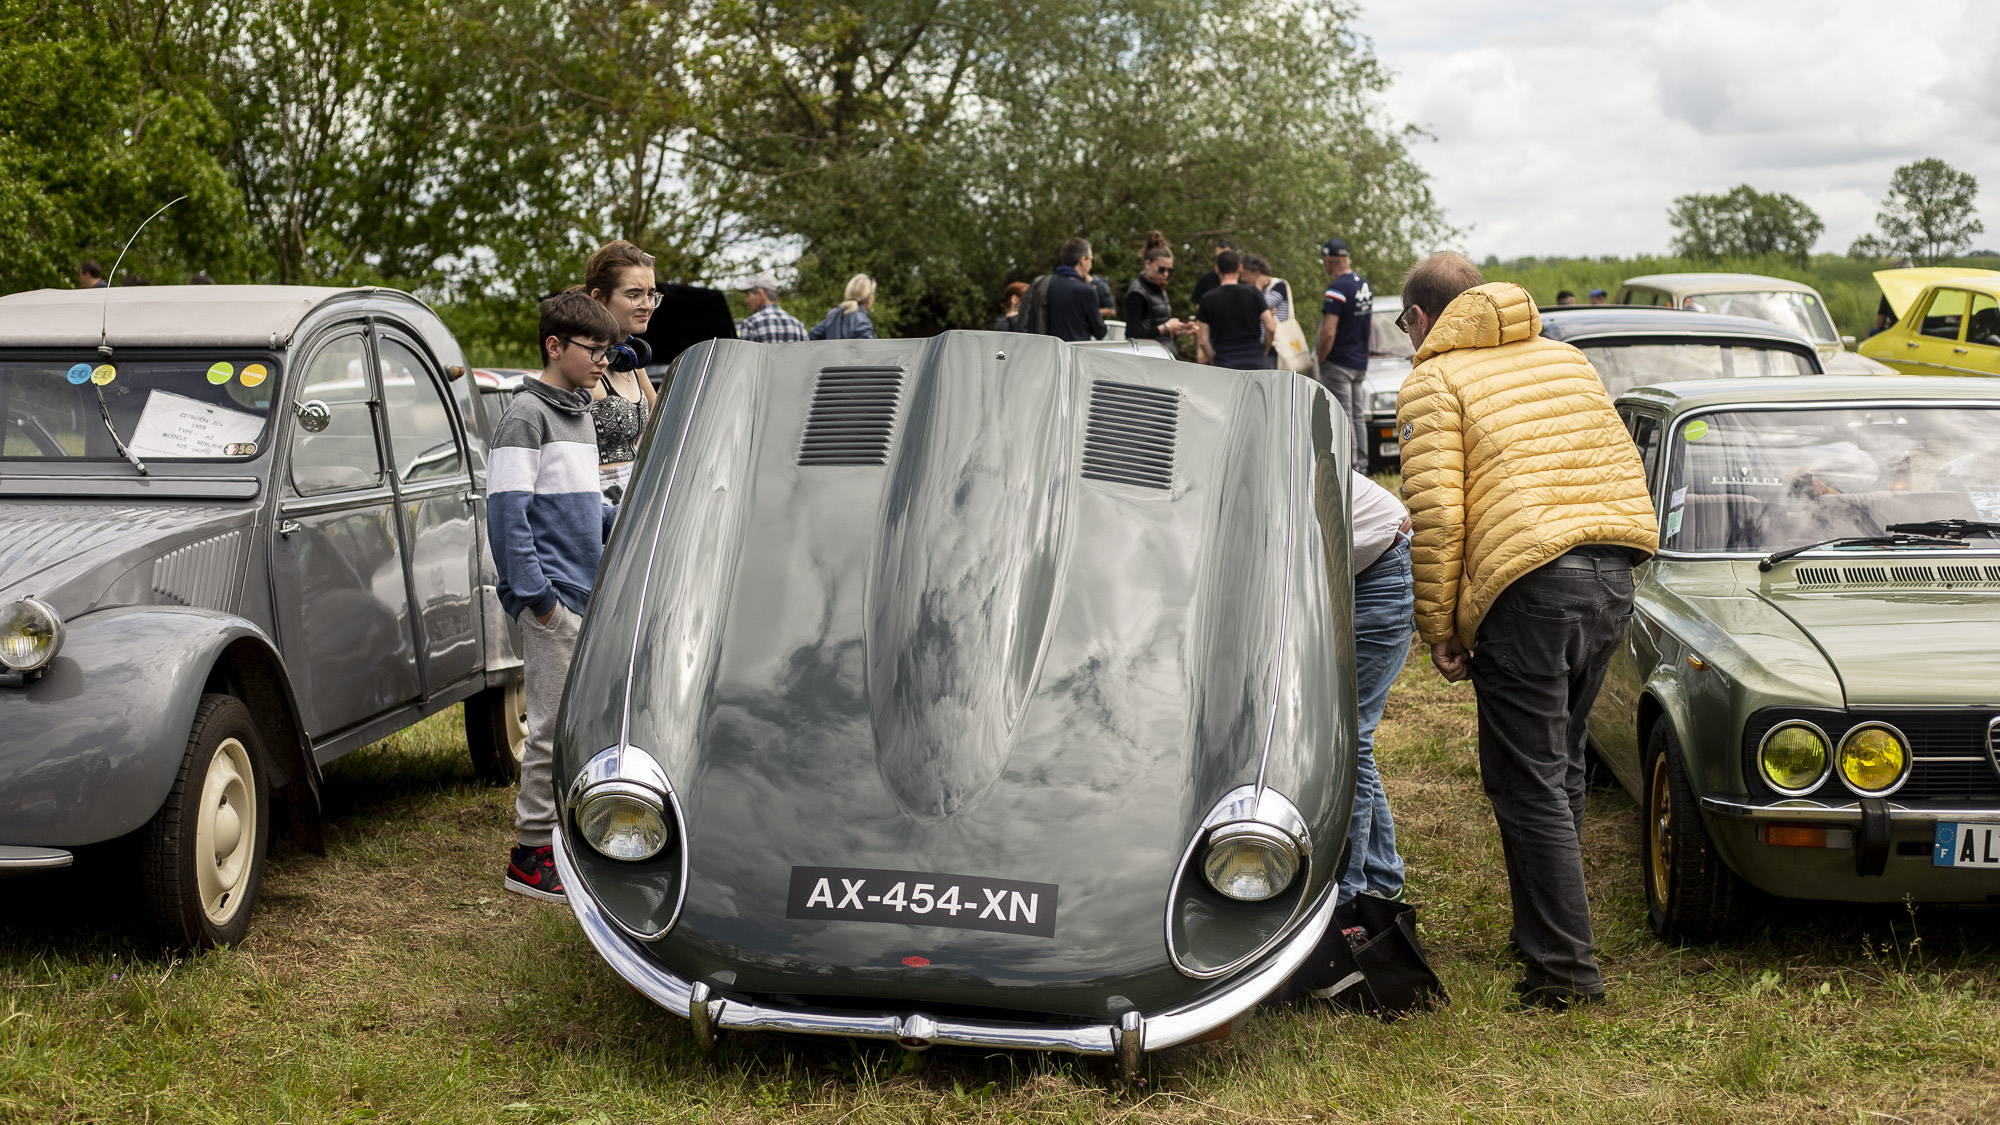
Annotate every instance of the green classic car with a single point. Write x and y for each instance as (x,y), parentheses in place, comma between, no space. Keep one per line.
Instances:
(1807,701)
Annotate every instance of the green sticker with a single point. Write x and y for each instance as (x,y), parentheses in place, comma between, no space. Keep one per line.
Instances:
(1695,430)
(220,373)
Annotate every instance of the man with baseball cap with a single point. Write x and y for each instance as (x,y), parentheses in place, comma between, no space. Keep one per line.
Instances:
(767,323)
(1343,341)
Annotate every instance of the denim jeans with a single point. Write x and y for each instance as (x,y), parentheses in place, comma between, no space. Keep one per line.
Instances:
(1384,617)
(1539,660)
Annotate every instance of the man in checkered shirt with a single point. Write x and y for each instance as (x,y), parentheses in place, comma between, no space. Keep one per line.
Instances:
(767,323)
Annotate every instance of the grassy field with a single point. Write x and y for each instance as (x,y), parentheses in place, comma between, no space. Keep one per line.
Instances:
(394,981)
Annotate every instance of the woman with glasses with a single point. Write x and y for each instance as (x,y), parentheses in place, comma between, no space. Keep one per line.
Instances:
(620,277)
(1149,315)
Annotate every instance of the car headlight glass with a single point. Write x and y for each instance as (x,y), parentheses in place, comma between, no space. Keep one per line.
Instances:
(1873,759)
(1249,861)
(30,634)
(1382,402)
(622,822)
(1794,757)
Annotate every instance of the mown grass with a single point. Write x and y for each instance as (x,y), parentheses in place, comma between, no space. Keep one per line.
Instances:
(393,980)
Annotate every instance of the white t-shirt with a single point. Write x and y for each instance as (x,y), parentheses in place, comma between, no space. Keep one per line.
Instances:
(1378,519)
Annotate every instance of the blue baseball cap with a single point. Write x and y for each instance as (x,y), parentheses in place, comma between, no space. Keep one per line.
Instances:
(1333,248)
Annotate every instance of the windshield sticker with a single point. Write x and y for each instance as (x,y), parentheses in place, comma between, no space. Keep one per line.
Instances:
(240,449)
(1987,504)
(103,373)
(1673,523)
(177,426)
(80,374)
(1695,430)
(1680,497)
(254,374)
(220,373)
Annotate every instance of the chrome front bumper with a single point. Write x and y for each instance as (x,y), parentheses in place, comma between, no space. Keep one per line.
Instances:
(1817,812)
(16,860)
(1130,1037)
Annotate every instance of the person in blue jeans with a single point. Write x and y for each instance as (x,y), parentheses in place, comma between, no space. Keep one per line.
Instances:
(1384,619)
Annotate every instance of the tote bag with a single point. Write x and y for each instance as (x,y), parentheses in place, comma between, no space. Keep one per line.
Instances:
(1289,347)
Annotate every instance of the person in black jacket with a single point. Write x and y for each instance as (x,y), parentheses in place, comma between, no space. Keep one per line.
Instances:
(1072,312)
(1211,279)
(1149,315)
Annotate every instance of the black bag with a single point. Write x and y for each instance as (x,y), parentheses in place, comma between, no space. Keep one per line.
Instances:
(1370,960)
(1034,314)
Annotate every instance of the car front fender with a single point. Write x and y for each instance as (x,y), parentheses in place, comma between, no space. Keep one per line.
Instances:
(91,747)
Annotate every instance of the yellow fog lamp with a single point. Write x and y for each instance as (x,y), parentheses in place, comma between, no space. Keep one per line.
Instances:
(31,633)
(1874,759)
(1795,757)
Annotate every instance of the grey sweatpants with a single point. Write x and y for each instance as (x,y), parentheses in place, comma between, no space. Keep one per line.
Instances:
(545,655)
(1350,389)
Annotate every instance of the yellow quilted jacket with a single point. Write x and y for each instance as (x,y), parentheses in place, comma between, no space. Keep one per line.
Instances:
(1512,455)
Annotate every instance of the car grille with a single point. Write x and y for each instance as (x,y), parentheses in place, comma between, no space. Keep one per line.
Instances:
(1936,737)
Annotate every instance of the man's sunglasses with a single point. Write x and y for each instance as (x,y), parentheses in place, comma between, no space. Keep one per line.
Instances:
(596,354)
(1407,321)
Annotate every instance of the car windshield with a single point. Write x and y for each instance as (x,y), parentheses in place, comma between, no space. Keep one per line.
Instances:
(204,407)
(1764,480)
(1384,338)
(1624,366)
(1800,312)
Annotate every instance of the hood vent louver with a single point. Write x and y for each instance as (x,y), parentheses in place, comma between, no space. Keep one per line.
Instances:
(853,416)
(1827,578)
(1131,434)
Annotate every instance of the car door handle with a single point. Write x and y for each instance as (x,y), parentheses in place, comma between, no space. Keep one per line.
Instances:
(1909,343)
(287,527)
(1958,351)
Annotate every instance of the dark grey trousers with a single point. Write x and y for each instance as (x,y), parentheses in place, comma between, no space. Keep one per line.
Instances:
(1540,658)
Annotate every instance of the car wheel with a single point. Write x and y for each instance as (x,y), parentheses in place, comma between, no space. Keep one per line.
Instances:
(1691,895)
(496,732)
(203,851)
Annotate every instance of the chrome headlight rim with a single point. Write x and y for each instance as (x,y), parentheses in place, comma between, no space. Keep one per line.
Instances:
(55,626)
(1259,833)
(1825,769)
(1902,743)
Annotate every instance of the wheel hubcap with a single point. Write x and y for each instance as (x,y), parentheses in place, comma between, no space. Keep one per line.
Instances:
(225,831)
(517,721)
(1659,813)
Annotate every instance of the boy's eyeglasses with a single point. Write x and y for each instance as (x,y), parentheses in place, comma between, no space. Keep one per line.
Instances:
(1407,321)
(596,354)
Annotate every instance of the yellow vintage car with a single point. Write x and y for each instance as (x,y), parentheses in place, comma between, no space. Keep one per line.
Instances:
(1947,321)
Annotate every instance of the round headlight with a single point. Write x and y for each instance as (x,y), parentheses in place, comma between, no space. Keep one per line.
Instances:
(622,822)
(1249,861)
(1794,757)
(30,634)
(1873,759)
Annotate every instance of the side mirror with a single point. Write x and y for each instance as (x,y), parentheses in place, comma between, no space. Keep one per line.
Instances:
(314,416)
(1847,341)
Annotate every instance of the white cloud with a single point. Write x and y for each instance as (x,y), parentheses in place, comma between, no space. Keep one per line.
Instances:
(1570,128)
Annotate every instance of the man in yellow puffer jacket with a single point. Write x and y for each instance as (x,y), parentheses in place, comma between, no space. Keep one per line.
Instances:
(1530,508)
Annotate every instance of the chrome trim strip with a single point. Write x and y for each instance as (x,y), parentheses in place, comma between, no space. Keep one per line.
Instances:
(1909,758)
(1827,767)
(611,766)
(1285,597)
(1177,1025)
(15,859)
(1850,813)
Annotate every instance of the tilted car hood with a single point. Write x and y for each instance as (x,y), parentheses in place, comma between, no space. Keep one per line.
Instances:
(968,660)
(1902,647)
(74,554)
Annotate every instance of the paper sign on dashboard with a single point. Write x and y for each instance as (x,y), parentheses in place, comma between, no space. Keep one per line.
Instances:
(174,425)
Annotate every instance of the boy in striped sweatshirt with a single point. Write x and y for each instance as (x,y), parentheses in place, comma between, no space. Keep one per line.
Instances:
(548,523)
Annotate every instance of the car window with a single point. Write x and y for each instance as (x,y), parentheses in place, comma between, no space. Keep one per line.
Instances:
(1945,314)
(1625,366)
(1800,312)
(1645,430)
(344,454)
(1384,338)
(185,405)
(420,434)
(1982,327)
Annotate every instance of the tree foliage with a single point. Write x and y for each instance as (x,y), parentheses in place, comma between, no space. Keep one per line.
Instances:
(1927,215)
(1744,223)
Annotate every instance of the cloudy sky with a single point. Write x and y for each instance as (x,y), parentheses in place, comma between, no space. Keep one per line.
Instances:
(1568,128)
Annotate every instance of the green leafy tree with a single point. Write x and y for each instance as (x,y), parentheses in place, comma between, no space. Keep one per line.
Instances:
(1928,214)
(1744,223)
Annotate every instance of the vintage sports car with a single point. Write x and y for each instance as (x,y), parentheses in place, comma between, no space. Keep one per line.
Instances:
(239,537)
(978,690)
(1948,321)
(1808,699)
(1793,304)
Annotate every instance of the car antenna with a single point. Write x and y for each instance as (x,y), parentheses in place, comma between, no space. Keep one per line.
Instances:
(104,322)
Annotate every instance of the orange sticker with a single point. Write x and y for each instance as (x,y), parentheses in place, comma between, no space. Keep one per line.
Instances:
(254,374)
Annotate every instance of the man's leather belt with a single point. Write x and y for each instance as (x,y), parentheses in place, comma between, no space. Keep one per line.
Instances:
(1593,558)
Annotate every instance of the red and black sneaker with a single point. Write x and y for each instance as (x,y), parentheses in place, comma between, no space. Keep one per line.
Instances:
(532,872)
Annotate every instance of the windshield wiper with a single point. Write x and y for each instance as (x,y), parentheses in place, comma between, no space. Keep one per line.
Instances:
(104,412)
(1955,528)
(1900,540)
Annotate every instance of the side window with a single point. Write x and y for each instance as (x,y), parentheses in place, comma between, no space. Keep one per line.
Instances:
(420,434)
(1946,313)
(344,454)
(1983,325)
(1646,435)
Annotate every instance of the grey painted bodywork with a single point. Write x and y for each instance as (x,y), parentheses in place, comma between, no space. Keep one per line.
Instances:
(970,660)
(178,582)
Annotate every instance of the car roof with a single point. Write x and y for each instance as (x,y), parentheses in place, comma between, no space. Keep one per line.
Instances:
(1572,323)
(1678,398)
(171,315)
(1679,283)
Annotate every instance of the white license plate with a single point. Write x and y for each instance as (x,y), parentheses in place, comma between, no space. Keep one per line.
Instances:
(1388,449)
(1966,845)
